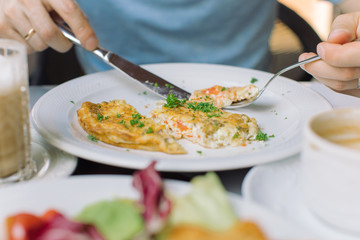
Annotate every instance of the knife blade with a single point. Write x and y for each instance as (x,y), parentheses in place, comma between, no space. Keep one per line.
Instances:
(148,79)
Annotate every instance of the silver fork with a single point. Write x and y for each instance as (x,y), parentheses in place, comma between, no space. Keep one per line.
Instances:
(251,100)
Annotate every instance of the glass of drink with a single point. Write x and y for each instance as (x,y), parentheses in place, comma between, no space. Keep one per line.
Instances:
(15,156)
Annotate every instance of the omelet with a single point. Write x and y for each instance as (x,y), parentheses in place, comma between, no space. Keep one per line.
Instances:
(120,124)
(205,124)
(222,96)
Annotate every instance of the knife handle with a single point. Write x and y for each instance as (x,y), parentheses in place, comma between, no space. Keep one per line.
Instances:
(68,33)
(99,51)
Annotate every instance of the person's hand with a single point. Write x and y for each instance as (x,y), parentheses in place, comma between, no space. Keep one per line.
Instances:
(339,68)
(19,17)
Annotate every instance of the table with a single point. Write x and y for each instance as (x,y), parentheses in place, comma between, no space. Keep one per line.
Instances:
(232,179)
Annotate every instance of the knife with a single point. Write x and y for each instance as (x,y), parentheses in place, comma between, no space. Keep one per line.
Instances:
(153,82)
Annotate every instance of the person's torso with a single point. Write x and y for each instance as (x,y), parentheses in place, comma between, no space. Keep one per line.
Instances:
(233,32)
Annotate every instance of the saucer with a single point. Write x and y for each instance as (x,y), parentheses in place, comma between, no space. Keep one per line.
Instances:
(50,161)
(276,187)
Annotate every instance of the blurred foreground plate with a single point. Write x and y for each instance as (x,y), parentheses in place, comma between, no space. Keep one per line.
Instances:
(276,187)
(69,196)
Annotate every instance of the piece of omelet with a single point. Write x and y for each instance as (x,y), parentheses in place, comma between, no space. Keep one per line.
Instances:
(204,124)
(222,96)
(118,123)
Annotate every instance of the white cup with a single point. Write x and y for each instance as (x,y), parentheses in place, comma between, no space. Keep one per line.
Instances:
(330,168)
(15,156)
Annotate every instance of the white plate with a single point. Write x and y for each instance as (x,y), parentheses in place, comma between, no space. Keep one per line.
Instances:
(50,161)
(276,187)
(282,111)
(73,193)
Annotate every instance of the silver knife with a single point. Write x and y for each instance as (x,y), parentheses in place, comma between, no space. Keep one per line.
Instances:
(153,82)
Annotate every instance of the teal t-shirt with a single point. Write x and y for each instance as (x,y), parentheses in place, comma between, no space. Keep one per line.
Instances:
(232,32)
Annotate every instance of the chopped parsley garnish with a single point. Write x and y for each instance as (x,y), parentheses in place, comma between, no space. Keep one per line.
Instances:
(203,107)
(236,135)
(173,102)
(122,122)
(261,136)
(141,124)
(212,115)
(199,152)
(271,136)
(150,130)
(223,89)
(253,80)
(107,117)
(118,115)
(100,117)
(136,120)
(216,126)
(206,107)
(72,101)
(136,116)
(169,86)
(92,138)
(99,106)
(156,84)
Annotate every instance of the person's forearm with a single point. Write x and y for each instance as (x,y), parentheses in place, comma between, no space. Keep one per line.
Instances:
(347,6)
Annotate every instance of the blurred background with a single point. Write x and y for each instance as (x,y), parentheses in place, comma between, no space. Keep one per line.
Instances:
(285,44)
(301,25)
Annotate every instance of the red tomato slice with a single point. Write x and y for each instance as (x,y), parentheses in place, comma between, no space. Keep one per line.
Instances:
(23,226)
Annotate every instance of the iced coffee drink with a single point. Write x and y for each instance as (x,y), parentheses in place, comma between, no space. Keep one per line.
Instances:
(15,157)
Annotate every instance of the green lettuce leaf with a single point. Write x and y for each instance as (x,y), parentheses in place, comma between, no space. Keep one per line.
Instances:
(119,219)
(206,205)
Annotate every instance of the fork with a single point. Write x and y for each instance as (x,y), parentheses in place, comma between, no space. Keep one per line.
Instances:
(247,102)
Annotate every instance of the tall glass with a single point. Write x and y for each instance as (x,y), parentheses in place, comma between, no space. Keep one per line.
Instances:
(15,156)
